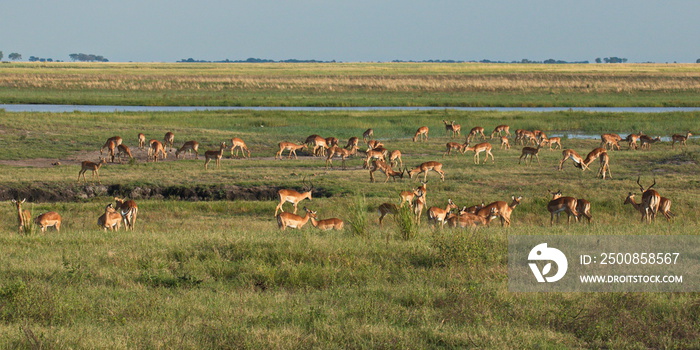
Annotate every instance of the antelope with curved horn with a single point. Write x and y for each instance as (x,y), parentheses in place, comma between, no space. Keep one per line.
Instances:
(650,201)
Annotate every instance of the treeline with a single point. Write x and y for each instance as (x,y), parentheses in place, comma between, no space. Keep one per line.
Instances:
(83,57)
(253,60)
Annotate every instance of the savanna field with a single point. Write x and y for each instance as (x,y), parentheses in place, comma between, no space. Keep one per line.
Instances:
(207,267)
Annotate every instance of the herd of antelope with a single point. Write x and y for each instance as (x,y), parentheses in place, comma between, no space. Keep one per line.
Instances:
(379,158)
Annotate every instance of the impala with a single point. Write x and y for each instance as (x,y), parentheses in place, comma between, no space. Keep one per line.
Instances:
(529,151)
(505,144)
(664,206)
(539,135)
(501,128)
(474,208)
(129,210)
(593,155)
(216,155)
(187,147)
(452,127)
(374,144)
(157,149)
(291,147)
(353,141)
(439,215)
(571,154)
(583,208)
(366,135)
(604,165)
(681,139)
(293,197)
(478,148)
(319,143)
(343,153)
(124,150)
(407,197)
(116,139)
(386,209)
(418,205)
(386,169)
(477,130)
(49,219)
(94,167)
(168,140)
(554,141)
(526,137)
(327,224)
(290,220)
(560,204)
(142,141)
(422,132)
(111,219)
(632,140)
(610,140)
(111,148)
(456,146)
(647,141)
(331,141)
(394,156)
(371,156)
(650,201)
(427,167)
(23,216)
(239,144)
(465,219)
(504,209)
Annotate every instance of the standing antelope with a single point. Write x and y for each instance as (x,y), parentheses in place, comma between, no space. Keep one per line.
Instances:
(418,205)
(293,197)
(111,148)
(124,150)
(571,154)
(504,209)
(216,155)
(157,149)
(650,201)
(142,141)
(328,224)
(681,139)
(187,147)
(168,140)
(237,143)
(477,130)
(610,140)
(386,169)
(366,135)
(343,153)
(501,128)
(505,144)
(47,220)
(439,215)
(291,147)
(111,219)
(94,167)
(481,147)
(560,204)
(647,141)
(583,208)
(386,209)
(23,216)
(319,143)
(604,165)
(554,141)
(116,139)
(427,167)
(373,154)
(452,127)
(129,210)
(394,156)
(632,140)
(454,145)
(290,220)
(529,151)
(664,206)
(593,155)
(422,132)
(352,142)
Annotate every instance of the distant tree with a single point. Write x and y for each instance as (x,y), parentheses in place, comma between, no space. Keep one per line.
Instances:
(697,61)
(614,60)
(15,56)
(0,55)
(87,57)
(598,60)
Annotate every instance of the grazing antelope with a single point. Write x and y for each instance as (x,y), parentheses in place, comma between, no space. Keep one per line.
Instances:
(646,141)
(111,219)
(427,167)
(293,197)
(650,201)
(501,128)
(583,208)
(23,216)
(216,155)
(604,165)
(632,140)
(524,137)
(529,151)
(94,167)
(129,210)
(386,169)
(465,219)
(452,127)
(481,147)
(124,150)
(291,147)
(477,130)
(366,135)
(386,209)
(394,156)
(571,154)
(560,204)
(142,141)
(117,140)
(157,149)
(611,141)
(504,209)
(319,143)
(681,139)
(353,141)
(290,220)
(505,144)
(187,147)
(422,132)
(239,144)
(343,153)
(456,146)
(328,224)
(168,140)
(592,156)
(47,220)
(539,136)
(439,215)
(554,141)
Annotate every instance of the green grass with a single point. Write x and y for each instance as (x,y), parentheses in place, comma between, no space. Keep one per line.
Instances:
(213,274)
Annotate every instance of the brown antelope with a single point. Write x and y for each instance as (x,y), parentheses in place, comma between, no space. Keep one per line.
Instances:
(456,146)
(291,147)
(47,220)
(477,130)
(331,141)
(111,219)
(24,217)
(328,224)
(604,165)
(407,197)
(646,141)
(554,141)
(293,197)
(373,154)
(504,209)
(664,206)
(650,201)
(501,128)
(187,147)
(422,132)
(539,135)
(290,220)
(427,167)
(157,149)
(571,154)
(386,169)
(216,155)
(474,208)
(452,127)
(465,219)
(386,209)
(583,208)
(481,147)
(681,139)
(418,205)
(129,210)
(94,167)
(239,144)
(111,150)
(394,156)
(611,141)
(560,204)
(374,144)
(343,153)
(117,140)
(529,151)
(593,155)
(367,134)
(439,215)
(124,150)
(505,144)
(632,140)
(319,143)
(353,141)
(142,141)
(168,140)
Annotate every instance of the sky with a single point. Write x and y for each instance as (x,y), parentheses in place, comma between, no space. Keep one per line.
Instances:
(353,31)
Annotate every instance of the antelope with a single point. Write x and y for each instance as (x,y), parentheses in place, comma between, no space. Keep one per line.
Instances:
(646,141)
(353,141)
(418,205)
(505,144)
(373,154)
(187,147)
(504,209)
(94,167)
(142,141)
(478,148)
(406,197)
(593,155)
(465,219)
(632,140)
(650,201)
(452,127)
(239,144)
(583,208)
(293,197)
(454,145)
(116,139)
(124,149)
(23,216)
(436,214)
(111,219)
(168,140)
(290,220)
(331,141)
(529,151)
(477,130)
(610,140)
(386,169)
(157,149)
(571,154)
(554,141)
(681,139)
(664,206)
(339,152)
(560,204)
(374,144)
(394,156)
(604,165)
(386,209)
(422,132)
(328,224)
(367,134)
(474,208)
(216,155)
(539,136)
(525,137)
(501,128)
(427,167)
(291,147)
(111,147)
(129,210)
(319,144)
(47,220)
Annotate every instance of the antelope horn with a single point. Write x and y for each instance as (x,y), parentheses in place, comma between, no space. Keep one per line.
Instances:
(641,188)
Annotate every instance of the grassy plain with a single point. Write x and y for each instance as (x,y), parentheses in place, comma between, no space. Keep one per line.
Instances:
(218,274)
(352,84)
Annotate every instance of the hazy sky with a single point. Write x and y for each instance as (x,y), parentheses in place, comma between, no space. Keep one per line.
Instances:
(356,30)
